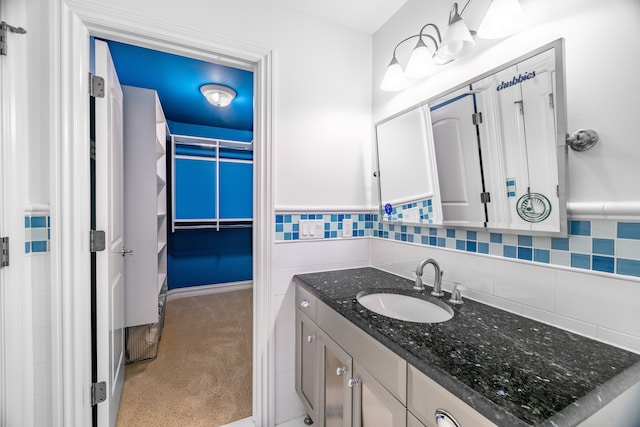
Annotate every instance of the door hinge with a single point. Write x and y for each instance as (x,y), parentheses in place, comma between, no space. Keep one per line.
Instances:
(97,241)
(521,105)
(3,35)
(96,86)
(551,100)
(98,392)
(485,197)
(476,118)
(4,252)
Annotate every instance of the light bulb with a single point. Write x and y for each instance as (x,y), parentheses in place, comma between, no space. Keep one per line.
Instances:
(394,78)
(503,18)
(420,62)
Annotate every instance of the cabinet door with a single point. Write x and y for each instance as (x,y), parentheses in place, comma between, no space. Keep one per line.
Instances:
(307,367)
(373,405)
(335,397)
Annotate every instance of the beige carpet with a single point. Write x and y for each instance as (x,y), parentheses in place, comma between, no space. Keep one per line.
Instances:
(202,375)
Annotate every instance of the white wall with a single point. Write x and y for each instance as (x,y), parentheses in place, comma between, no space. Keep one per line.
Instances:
(601,41)
(294,258)
(322,90)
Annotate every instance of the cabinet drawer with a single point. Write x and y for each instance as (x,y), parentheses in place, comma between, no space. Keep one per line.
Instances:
(387,367)
(425,396)
(307,303)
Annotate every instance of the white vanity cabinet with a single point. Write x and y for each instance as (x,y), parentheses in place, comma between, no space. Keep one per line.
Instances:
(358,381)
(425,397)
(307,353)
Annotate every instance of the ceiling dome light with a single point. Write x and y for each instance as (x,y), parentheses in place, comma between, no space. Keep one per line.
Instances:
(218,95)
(503,18)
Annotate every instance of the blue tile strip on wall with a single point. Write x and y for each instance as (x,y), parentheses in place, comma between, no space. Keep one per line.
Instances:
(37,233)
(598,245)
(287,227)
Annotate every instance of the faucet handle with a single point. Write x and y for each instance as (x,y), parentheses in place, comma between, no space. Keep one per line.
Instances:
(456,296)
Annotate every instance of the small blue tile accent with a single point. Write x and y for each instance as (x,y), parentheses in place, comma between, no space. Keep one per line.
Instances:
(603,263)
(38,222)
(296,236)
(334,218)
(603,246)
(472,235)
(495,237)
(287,218)
(294,227)
(392,227)
(560,243)
(460,245)
(451,233)
(580,261)
(327,234)
(509,251)
(483,247)
(541,255)
(340,217)
(27,247)
(39,246)
(287,236)
(525,240)
(580,228)
(425,240)
(279,228)
(525,253)
(433,240)
(397,236)
(410,238)
(403,228)
(471,246)
(628,267)
(279,219)
(442,242)
(304,216)
(511,194)
(629,230)
(403,237)
(27,222)
(433,231)
(334,234)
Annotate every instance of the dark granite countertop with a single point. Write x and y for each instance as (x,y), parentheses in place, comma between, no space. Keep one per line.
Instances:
(513,370)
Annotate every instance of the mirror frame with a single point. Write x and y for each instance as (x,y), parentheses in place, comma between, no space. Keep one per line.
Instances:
(560,142)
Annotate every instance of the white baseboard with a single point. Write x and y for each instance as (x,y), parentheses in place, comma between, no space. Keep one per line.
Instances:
(246,422)
(194,291)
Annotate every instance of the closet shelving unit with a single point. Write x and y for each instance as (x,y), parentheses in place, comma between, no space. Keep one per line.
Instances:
(212,183)
(145,178)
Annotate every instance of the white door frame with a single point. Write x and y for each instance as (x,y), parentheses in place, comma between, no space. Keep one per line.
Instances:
(72,22)
(16,321)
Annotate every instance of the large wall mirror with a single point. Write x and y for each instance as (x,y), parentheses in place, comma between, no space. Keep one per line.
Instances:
(490,153)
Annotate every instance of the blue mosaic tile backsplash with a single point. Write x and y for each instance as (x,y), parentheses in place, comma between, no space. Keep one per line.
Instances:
(37,233)
(599,245)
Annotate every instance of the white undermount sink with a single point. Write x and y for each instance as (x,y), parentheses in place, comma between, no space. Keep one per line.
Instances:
(405,307)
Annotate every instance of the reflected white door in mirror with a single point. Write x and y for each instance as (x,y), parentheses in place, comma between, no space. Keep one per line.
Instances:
(490,153)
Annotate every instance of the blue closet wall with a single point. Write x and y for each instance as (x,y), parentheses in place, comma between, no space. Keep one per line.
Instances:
(205,256)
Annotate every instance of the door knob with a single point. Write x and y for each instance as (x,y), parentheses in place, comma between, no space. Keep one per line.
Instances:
(304,303)
(124,252)
(311,338)
(342,370)
(353,382)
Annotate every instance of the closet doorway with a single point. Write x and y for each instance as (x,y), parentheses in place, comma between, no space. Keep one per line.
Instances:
(188,184)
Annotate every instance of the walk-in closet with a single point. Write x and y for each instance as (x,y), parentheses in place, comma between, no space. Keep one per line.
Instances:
(188,230)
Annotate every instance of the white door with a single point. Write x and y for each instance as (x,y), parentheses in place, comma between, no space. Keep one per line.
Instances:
(110,218)
(458,162)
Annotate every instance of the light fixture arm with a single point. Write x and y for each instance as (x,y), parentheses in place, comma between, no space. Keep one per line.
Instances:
(421,35)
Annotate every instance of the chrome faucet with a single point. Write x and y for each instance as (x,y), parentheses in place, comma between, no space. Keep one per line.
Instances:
(437,281)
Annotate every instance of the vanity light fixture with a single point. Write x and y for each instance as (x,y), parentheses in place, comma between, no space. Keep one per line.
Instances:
(218,95)
(457,42)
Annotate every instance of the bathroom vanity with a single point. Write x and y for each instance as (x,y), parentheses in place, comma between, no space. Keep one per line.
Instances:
(482,367)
